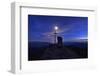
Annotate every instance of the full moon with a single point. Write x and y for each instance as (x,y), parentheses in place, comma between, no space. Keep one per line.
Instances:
(56,28)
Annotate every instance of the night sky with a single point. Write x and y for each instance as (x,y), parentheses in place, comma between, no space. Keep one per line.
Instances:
(41,28)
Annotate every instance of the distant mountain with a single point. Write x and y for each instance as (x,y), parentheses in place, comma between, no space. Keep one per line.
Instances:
(38,44)
(77,40)
(83,43)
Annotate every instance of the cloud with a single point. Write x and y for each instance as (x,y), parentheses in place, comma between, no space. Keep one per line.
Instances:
(60,31)
(81,38)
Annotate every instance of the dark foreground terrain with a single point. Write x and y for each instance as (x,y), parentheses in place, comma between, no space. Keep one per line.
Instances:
(46,51)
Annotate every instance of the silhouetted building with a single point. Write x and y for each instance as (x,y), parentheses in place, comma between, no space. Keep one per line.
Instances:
(60,41)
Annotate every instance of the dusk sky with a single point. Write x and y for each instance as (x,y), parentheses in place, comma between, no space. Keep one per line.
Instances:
(41,28)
